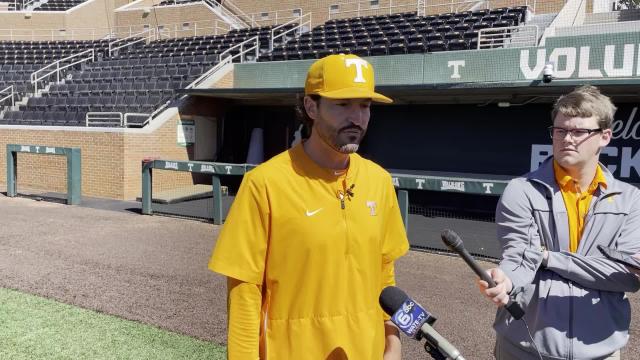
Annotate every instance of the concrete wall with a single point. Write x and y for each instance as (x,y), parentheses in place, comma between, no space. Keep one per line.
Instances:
(202,21)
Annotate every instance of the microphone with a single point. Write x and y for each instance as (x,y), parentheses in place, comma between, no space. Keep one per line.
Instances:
(454,243)
(416,322)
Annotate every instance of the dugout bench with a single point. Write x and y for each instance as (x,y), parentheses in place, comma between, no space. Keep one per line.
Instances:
(403,180)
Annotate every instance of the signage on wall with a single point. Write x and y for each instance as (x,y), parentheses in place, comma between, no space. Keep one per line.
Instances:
(622,156)
(186,133)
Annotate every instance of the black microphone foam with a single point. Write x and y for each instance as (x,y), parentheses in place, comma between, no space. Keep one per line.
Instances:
(452,240)
(391,299)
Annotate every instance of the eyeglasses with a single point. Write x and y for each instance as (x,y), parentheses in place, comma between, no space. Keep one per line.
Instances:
(560,133)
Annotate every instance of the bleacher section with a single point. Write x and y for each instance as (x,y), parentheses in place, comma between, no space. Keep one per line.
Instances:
(178,2)
(19,59)
(143,77)
(12,6)
(43,5)
(58,5)
(139,79)
(396,34)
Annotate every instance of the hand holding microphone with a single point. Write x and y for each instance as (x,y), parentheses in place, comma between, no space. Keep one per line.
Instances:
(499,292)
(498,283)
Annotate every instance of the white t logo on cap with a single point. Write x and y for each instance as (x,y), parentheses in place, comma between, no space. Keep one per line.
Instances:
(359,63)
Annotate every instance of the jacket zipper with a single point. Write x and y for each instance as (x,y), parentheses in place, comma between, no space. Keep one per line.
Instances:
(342,194)
(570,334)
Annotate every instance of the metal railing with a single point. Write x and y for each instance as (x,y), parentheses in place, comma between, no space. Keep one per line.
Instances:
(26,3)
(171,31)
(421,7)
(143,36)
(356,8)
(228,4)
(150,117)
(100,118)
(508,37)
(296,30)
(274,16)
(204,27)
(146,115)
(227,57)
(9,90)
(232,19)
(364,8)
(121,119)
(57,66)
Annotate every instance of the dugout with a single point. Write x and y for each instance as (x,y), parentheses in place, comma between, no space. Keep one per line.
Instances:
(460,136)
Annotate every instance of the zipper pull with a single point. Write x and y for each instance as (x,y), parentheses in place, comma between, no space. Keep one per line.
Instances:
(341,197)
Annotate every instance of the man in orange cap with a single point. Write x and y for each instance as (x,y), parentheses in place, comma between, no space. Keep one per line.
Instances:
(313,233)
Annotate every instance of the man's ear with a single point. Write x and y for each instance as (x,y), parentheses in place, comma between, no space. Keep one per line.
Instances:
(311,107)
(605,137)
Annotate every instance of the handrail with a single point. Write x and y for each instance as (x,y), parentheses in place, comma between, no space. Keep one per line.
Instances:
(379,9)
(222,63)
(196,27)
(238,12)
(227,58)
(102,115)
(237,21)
(151,116)
(26,3)
(300,22)
(513,36)
(11,95)
(176,29)
(35,77)
(151,36)
(275,16)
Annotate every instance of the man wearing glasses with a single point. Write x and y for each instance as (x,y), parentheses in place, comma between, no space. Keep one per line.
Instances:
(550,222)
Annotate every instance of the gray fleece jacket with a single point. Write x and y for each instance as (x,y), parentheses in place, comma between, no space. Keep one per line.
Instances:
(575,306)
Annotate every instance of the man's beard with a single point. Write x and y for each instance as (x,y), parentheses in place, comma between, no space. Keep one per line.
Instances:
(347,146)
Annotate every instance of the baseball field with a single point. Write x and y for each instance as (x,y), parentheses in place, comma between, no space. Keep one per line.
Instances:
(104,282)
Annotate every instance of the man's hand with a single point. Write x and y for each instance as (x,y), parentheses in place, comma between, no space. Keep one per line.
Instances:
(392,345)
(632,269)
(499,294)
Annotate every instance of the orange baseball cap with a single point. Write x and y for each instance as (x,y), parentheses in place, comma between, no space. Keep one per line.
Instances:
(343,77)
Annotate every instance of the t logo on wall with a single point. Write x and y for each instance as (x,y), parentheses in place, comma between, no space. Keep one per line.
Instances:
(359,63)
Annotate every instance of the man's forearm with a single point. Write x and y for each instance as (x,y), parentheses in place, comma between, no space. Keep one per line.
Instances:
(244,302)
(592,272)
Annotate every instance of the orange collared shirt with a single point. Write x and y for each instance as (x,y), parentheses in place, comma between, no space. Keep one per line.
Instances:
(576,201)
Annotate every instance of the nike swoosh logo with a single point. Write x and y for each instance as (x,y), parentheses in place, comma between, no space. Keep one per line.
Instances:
(311,213)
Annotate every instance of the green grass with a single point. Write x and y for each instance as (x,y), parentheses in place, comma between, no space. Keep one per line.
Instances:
(32,327)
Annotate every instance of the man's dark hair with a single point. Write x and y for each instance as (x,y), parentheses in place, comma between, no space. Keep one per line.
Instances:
(301,114)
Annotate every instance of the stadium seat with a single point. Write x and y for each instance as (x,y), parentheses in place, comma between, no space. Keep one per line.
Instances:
(397,48)
(436,46)
(457,44)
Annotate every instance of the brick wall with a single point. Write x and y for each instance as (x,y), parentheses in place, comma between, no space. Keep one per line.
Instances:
(91,20)
(320,8)
(226,82)
(202,21)
(111,161)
